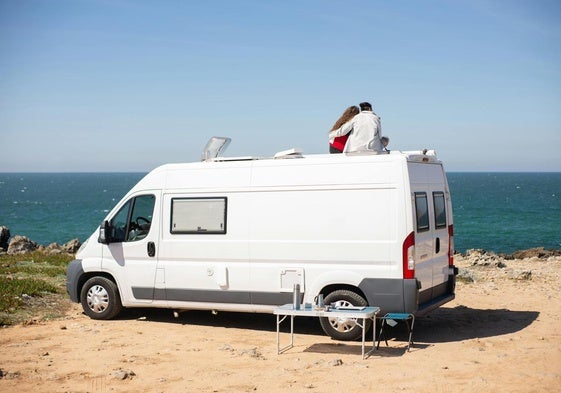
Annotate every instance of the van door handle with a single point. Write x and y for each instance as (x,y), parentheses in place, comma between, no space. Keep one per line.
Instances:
(437,245)
(151,249)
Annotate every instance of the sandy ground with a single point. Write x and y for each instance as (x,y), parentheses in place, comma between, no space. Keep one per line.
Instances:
(501,334)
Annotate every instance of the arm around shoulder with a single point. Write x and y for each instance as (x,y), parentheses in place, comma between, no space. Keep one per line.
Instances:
(343,130)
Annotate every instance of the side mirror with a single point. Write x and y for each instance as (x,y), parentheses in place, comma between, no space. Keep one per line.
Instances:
(104,233)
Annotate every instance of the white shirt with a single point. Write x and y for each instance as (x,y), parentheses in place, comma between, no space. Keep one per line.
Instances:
(366,131)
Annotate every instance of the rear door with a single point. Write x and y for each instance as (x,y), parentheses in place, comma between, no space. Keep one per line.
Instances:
(440,272)
(424,237)
(431,229)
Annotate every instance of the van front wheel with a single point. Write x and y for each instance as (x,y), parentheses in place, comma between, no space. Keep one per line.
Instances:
(344,329)
(100,298)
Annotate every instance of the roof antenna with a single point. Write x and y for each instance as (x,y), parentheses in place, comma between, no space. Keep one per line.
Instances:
(215,147)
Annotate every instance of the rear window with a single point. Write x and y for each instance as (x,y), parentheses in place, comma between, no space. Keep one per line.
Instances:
(439,209)
(422,211)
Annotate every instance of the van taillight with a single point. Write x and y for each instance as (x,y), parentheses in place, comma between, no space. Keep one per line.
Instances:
(409,256)
(450,245)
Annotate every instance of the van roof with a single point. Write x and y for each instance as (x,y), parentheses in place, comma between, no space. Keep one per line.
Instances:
(296,153)
(216,146)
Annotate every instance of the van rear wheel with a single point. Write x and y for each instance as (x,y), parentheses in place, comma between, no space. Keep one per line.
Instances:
(344,329)
(100,298)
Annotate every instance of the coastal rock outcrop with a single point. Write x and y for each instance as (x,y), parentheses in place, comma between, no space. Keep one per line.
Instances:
(478,257)
(70,247)
(537,252)
(21,245)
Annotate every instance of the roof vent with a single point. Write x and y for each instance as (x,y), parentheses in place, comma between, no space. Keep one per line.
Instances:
(295,152)
(215,147)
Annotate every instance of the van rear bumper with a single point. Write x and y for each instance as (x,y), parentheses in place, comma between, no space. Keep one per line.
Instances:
(391,295)
(425,308)
(73,274)
(404,296)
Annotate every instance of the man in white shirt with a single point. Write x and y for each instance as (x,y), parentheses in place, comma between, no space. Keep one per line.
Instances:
(365,131)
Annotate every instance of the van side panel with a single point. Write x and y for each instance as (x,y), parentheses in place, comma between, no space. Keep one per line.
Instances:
(211,268)
(305,216)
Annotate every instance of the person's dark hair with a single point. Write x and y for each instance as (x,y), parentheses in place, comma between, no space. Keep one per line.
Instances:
(365,106)
(349,113)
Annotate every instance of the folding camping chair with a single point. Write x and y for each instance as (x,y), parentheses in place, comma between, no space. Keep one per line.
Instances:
(392,319)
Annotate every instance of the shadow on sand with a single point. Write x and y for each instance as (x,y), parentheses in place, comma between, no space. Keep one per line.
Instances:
(441,326)
(464,323)
(224,319)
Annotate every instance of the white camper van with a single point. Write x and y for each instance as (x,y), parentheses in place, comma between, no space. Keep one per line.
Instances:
(237,234)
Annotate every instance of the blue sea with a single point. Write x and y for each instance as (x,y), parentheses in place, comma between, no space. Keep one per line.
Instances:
(500,212)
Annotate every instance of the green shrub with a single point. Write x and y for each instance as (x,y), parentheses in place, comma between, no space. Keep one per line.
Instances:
(14,291)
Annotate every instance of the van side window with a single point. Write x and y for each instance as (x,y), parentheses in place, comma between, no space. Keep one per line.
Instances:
(198,215)
(132,222)
(422,211)
(439,209)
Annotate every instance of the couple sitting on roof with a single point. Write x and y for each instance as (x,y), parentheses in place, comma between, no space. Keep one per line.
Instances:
(357,131)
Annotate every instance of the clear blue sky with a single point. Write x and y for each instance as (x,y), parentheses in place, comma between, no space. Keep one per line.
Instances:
(101,85)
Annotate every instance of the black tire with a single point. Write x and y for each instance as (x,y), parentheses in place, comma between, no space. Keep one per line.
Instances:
(100,298)
(344,329)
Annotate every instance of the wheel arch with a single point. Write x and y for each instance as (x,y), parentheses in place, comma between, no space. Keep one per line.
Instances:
(87,275)
(334,287)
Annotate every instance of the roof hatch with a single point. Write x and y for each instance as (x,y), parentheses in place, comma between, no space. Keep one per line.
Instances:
(215,147)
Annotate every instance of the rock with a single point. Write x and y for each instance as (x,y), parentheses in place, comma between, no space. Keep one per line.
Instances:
(123,374)
(9,375)
(465,276)
(4,237)
(537,252)
(21,245)
(335,362)
(52,246)
(227,347)
(521,275)
(475,252)
(71,247)
(252,352)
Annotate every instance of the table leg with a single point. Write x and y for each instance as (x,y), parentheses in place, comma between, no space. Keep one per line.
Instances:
(363,335)
(279,321)
(291,331)
(278,334)
(373,337)
(373,332)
